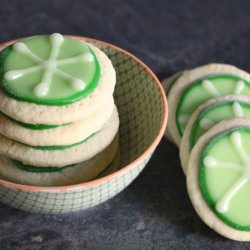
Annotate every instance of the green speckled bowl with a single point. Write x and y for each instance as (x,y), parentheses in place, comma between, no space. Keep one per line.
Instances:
(143,116)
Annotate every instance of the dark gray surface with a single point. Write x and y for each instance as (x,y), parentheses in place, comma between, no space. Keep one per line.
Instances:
(154,212)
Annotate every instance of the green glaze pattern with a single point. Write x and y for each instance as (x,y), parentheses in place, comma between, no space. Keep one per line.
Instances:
(35,169)
(62,147)
(141,112)
(216,113)
(205,89)
(33,126)
(49,70)
(224,177)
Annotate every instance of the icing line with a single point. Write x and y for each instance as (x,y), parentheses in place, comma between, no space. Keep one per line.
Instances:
(237,110)
(210,88)
(239,87)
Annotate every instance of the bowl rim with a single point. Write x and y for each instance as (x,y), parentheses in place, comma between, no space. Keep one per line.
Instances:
(131,165)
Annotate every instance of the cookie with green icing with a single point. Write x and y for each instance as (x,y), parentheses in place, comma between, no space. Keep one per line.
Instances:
(54,79)
(63,155)
(68,175)
(199,85)
(169,82)
(167,85)
(67,134)
(49,70)
(218,178)
(208,115)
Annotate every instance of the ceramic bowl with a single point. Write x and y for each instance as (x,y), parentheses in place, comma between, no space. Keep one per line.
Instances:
(143,116)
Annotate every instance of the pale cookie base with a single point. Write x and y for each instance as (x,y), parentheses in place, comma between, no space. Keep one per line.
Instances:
(63,135)
(60,158)
(200,205)
(166,83)
(45,114)
(83,172)
(182,83)
(113,167)
(185,141)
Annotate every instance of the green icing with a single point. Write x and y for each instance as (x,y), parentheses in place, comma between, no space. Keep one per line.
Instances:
(62,147)
(225,178)
(195,95)
(33,126)
(35,169)
(216,113)
(77,78)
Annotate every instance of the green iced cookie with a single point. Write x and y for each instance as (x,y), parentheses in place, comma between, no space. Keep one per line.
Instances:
(218,178)
(168,83)
(216,113)
(206,116)
(204,89)
(49,70)
(224,177)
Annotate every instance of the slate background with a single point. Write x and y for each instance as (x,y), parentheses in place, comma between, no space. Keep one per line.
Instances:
(154,212)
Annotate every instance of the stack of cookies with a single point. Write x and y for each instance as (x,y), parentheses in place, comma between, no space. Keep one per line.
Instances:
(58,121)
(209,119)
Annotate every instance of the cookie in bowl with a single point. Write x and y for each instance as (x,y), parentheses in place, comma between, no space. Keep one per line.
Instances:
(59,122)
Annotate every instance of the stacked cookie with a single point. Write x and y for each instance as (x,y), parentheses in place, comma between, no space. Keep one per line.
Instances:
(58,121)
(209,119)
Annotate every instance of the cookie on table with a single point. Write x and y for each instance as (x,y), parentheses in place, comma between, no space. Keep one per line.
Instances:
(54,135)
(206,116)
(167,85)
(31,175)
(199,85)
(63,155)
(53,79)
(170,81)
(218,178)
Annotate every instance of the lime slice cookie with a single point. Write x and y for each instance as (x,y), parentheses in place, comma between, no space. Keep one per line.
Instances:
(208,115)
(67,134)
(54,79)
(169,82)
(167,85)
(60,156)
(199,85)
(218,178)
(68,175)
(49,70)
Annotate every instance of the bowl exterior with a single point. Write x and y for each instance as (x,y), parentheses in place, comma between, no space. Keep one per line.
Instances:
(57,202)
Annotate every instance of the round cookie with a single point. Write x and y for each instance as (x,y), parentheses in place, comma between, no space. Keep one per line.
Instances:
(209,114)
(167,85)
(112,167)
(76,174)
(199,85)
(67,134)
(66,156)
(49,70)
(218,179)
(54,114)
